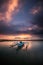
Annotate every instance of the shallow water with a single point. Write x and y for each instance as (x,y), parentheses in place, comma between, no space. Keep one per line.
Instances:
(33,53)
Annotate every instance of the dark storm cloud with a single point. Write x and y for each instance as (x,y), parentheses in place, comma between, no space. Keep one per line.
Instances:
(37,20)
(18,29)
(3,1)
(7,29)
(10,29)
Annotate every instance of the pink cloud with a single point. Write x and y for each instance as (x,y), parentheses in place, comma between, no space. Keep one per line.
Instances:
(8,8)
(36,10)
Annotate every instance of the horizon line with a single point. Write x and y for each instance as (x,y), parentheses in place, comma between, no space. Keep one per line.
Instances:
(1,40)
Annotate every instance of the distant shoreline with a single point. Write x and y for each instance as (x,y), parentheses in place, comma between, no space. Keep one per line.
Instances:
(2,40)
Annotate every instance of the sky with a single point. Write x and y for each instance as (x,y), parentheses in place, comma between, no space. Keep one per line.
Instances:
(21,18)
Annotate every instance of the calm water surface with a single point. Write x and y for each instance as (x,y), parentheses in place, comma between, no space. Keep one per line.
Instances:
(34,51)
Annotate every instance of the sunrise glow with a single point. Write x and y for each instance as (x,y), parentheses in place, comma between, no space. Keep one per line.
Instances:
(16,37)
(23,36)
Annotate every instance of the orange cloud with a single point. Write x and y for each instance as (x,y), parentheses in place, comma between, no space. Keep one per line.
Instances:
(16,37)
(10,37)
(10,7)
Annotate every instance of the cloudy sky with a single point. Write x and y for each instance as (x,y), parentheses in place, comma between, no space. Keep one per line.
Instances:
(21,17)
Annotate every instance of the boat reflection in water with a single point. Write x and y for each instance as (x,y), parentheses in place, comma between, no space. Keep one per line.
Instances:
(19,45)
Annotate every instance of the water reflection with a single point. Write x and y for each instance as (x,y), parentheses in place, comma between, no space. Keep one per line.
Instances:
(29,44)
(34,52)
